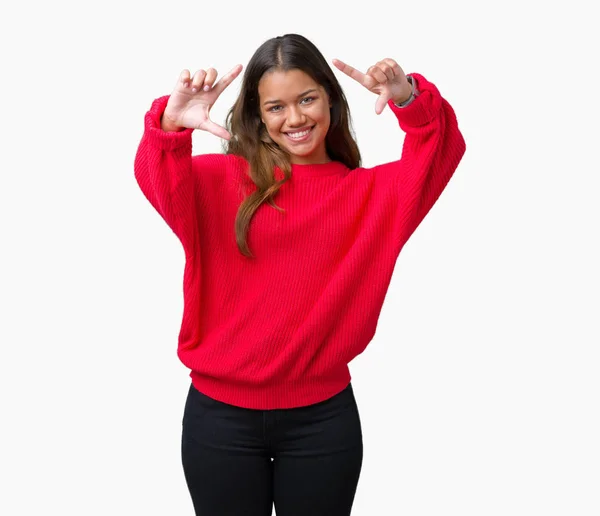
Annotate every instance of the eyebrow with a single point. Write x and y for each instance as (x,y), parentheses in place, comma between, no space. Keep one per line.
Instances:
(301,95)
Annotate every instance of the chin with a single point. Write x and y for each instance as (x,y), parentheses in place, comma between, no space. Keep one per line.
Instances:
(300,154)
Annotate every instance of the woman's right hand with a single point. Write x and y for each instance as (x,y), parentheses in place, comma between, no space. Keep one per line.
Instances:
(190,102)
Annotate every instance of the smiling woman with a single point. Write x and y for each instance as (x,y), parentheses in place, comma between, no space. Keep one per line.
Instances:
(287,90)
(298,119)
(270,416)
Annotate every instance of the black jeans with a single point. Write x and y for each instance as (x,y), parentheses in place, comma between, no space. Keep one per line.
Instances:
(239,462)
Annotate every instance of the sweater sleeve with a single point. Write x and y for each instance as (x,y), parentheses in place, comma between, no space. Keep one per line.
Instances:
(433,148)
(163,170)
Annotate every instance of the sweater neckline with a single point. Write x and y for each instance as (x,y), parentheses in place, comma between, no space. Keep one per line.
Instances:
(318,169)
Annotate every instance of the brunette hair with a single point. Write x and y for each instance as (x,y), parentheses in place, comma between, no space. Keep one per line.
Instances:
(250,139)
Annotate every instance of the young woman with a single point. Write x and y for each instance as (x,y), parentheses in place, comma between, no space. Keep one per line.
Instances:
(290,246)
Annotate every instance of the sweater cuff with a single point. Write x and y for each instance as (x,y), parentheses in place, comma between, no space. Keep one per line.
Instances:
(163,139)
(423,109)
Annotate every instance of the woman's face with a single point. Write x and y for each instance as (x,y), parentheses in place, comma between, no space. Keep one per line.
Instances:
(295,111)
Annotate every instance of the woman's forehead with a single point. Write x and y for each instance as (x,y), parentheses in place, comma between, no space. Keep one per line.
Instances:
(291,82)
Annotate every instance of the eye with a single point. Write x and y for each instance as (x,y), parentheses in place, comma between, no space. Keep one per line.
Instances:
(274,108)
(309,99)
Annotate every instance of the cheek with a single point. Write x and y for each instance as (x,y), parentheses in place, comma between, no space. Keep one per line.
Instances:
(324,119)
(272,127)
(322,115)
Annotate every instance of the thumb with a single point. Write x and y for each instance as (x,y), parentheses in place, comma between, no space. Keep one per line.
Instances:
(381,102)
(216,129)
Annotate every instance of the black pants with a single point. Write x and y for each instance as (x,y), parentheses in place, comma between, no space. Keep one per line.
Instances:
(239,462)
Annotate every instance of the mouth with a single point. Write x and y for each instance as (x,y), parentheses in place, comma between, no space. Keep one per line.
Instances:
(299,136)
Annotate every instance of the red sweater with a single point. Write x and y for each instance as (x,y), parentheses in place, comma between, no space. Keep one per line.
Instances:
(279,330)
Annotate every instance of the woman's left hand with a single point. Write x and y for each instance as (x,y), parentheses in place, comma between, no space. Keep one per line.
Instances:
(384,78)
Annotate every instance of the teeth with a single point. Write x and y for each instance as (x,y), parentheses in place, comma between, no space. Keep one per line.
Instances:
(298,135)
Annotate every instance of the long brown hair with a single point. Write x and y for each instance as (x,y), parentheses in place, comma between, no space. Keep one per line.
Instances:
(250,139)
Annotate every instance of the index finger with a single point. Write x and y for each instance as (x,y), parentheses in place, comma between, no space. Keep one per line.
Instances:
(227,79)
(352,72)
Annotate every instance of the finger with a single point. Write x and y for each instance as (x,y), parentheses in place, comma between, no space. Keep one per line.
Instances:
(184,79)
(377,74)
(227,79)
(394,66)
(215,129)
(381,102)
(209,80)
(198,80)
(353,73)
(386,69)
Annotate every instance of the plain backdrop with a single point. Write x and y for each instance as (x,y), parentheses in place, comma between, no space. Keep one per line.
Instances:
(479,394)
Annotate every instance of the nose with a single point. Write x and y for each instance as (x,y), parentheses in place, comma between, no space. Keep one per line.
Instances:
(296,118)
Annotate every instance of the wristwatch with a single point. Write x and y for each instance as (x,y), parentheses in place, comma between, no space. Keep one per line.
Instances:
(414,93)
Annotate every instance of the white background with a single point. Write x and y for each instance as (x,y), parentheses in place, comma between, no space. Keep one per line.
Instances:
(479,394)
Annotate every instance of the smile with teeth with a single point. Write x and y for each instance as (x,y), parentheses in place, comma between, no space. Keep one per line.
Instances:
(299,135)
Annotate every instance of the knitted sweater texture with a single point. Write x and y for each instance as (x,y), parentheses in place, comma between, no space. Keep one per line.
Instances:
(279,330)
